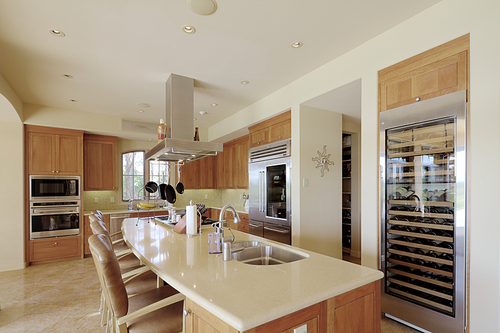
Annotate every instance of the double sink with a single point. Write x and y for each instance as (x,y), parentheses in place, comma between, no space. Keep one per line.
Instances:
(256,253)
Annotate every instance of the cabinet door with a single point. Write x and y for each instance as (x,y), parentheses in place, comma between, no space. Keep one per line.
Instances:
(55,248)
(41,153)
(200,320)
(260,137)
(241,167)
(280,131)
(100,165)
(69,154)
(229,166)
(207,172)
(220,171)
(190,175)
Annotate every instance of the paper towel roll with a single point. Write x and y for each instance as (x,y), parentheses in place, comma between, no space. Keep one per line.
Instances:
(191,220)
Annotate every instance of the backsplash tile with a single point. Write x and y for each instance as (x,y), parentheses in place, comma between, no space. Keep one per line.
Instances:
(214,198)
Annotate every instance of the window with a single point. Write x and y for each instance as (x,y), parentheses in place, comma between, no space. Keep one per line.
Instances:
(134,173)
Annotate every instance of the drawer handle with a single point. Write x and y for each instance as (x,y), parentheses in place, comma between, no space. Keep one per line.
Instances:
(186,312)
(55,243)
(417,99)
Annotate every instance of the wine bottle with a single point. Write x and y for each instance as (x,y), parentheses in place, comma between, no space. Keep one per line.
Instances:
(446,245)
(196,135)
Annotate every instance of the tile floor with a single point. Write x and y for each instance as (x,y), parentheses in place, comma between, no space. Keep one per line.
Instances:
(64,297)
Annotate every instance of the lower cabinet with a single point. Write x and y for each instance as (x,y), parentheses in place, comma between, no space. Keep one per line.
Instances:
(354,311)
(55,248)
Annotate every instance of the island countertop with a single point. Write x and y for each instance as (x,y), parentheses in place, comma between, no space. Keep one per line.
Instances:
(244,296)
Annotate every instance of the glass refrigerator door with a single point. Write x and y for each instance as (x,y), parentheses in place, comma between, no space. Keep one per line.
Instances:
(276,191)
(420,218)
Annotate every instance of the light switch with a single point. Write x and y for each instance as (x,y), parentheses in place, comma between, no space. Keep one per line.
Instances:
(112,199)
(96,200)
(301,329)
(304,182)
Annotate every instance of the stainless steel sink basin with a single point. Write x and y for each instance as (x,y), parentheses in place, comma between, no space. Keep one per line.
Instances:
(266,255)
(239,246)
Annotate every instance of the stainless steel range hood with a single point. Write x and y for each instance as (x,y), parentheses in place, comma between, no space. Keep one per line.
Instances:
(179,144)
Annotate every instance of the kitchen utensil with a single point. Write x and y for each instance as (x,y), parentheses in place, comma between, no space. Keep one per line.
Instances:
(163,188)
(180,186)
(151,187)
(169,190)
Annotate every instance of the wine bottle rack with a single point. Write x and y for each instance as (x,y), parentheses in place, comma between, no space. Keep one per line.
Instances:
(419,221)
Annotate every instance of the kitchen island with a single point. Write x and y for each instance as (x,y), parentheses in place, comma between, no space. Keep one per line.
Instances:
(327,294)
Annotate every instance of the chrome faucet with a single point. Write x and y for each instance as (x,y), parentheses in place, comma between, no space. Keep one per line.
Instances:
(223,223)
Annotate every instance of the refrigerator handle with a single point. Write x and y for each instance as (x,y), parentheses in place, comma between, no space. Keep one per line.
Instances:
(261,191)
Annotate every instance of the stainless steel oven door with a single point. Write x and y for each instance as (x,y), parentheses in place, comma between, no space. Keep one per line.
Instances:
(277,233)
(54,221)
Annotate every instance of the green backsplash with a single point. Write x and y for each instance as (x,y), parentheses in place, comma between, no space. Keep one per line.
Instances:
(210,198)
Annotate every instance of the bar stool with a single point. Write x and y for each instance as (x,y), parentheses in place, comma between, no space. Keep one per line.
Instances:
(156,310)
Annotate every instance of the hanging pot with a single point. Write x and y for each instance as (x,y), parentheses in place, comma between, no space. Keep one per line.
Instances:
(169,190)
(180,186)
(163,188)
(151,187)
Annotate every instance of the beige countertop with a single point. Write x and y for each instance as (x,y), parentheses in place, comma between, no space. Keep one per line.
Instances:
(242,295)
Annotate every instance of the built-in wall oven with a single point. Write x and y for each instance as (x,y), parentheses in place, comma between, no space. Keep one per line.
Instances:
(55,206)
(269,188)
(54,218)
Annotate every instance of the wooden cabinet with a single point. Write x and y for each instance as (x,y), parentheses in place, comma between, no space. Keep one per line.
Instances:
(439,71)
(100,163)
(243,226)
(199,174)
(275,129)
(354,311)
(219,171)
(55,248)
(234,170)
(53,151)
(87,232)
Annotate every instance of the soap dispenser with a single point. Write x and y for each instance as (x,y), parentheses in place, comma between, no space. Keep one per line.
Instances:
(215,239)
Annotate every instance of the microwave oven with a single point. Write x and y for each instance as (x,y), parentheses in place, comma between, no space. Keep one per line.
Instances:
(43,187)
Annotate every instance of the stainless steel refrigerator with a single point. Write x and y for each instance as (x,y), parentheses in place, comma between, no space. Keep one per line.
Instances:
(269,189)
(423,213)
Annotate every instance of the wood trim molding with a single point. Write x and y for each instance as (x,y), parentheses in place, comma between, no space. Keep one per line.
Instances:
(271,121)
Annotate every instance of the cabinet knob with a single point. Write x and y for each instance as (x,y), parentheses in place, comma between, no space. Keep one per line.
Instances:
(55,243)
(280,137)
(417,99)
(258,143)
(186,312)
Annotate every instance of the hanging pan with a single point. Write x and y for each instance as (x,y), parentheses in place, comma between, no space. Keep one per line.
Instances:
(180,186)
(151,187)
(163,188)
(169,190)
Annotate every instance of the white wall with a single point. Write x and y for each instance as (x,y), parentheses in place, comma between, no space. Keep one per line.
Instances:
(319,226)
(12,180)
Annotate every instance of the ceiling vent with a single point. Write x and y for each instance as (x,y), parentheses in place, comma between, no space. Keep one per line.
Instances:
(270,151)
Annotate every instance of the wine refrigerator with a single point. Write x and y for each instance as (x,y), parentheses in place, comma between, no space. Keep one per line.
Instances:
(423,213)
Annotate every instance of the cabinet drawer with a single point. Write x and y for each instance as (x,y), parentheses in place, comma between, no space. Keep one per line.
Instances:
(55,248)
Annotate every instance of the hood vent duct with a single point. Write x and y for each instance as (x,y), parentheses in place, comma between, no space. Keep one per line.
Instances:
(179,144)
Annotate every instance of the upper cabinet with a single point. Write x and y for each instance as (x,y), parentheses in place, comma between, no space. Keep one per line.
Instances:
(234,168)
(53,151)
(439,71)
(275,129)
(199,174)
(100,163)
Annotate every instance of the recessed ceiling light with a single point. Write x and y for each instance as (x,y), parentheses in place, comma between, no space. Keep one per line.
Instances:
(143,105)
(73,100)
(244,82)
(141,111)
(214,104)
(203,7)
(203,112)
(188,29)
(296,45)
(57,33)
(67,76)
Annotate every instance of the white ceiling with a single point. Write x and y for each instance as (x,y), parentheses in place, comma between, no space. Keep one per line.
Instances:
(121,52)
